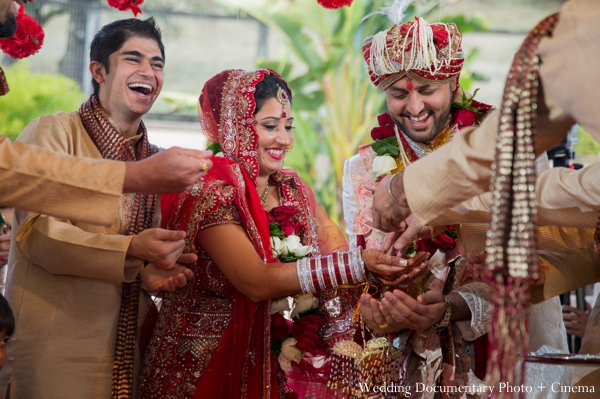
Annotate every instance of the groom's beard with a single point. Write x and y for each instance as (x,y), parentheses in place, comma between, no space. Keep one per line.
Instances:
(9,27)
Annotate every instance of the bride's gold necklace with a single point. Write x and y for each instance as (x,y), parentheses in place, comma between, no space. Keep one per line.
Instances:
(263,197)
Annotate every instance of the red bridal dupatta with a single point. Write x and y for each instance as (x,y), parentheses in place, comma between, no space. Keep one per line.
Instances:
(209,340)
(240,365)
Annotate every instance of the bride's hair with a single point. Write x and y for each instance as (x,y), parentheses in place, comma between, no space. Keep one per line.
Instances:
(267,89)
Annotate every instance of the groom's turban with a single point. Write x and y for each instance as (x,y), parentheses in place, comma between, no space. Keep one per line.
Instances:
(428,54)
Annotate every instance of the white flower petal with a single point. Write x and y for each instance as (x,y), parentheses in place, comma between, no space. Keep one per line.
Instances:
(279,306)
(302,251)
(303,303)
(383,165)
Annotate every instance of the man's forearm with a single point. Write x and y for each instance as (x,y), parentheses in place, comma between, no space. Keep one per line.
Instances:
(460,309)
(64,186)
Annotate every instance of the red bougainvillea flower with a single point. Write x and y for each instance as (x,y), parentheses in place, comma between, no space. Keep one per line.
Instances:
(27,40)
(333,4)
(124,5)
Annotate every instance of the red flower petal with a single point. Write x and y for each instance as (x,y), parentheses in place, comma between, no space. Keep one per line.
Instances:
(27,40)
(124,5)
(333,4)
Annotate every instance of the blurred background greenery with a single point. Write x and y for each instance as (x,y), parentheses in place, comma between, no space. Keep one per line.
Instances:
(34,94)
(317,51)
(335,104)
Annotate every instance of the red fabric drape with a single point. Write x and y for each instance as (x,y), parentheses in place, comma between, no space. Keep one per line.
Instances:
(223,376)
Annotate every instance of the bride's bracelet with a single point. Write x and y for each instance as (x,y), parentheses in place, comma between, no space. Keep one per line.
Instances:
(326,273)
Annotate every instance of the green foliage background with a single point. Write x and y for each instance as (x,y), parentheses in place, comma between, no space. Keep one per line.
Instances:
(335,104)
(586,148)
(34,94)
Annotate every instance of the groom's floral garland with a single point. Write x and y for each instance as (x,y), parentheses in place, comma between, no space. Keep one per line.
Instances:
(392,154)
(290,339)
(465,112)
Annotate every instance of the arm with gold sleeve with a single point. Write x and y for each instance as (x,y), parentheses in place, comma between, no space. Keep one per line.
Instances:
(59,247)
(566,256)
(75,188)
(565,198)
(570,94)
(65,247)
(88,190)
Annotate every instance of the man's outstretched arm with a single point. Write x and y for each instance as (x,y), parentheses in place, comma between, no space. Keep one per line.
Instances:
(87,190)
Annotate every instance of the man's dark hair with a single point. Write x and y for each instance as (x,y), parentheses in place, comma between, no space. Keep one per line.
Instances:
(112,37)
(9,27)
(7,319)
(267,89)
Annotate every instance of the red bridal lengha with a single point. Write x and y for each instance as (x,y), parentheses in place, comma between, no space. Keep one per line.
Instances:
(209,334)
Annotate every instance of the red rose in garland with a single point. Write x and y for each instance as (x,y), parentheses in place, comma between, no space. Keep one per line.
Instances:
(385,128)
(280,327)
(333,4)
(467,111)
(285,216)
(305,329)
(464,118)
(124,5)
(280,213)
(27,40)
(441,242)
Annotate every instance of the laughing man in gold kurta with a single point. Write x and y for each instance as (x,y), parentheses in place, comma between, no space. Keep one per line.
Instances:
(65,278)
(38,180)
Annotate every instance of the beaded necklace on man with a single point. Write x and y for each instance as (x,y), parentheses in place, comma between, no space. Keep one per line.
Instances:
(410,150)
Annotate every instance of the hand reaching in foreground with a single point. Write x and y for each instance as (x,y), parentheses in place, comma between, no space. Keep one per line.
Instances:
(170,171)
(476,265)
(576,320)
(157,279)
(388,211)
(392,270)
(4,248)
(409,230)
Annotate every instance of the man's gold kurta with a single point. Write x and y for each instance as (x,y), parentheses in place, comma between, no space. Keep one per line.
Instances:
(74,188)
(64,285)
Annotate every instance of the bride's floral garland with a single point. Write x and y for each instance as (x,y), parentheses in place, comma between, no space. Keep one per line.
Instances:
(291,339)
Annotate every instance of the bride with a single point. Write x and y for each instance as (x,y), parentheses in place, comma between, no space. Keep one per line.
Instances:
(211,338)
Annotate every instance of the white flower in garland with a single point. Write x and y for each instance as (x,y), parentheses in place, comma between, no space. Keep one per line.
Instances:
(291,245)
(383,165)
(280,305)
(277,246)
(289,353)
(303,303)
